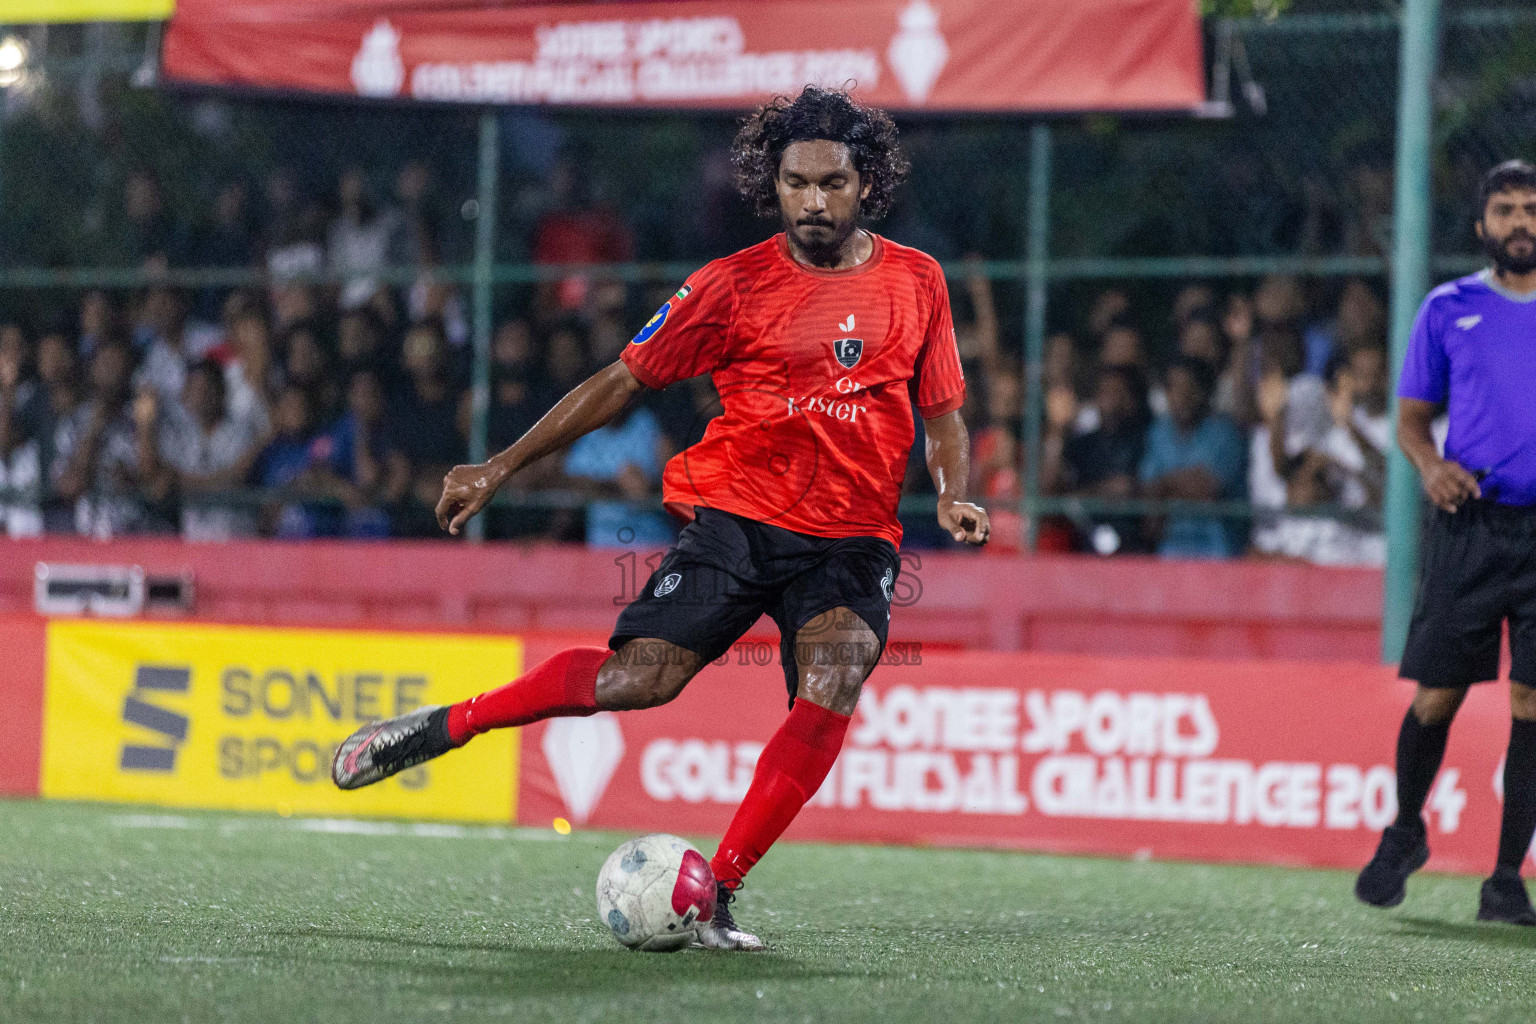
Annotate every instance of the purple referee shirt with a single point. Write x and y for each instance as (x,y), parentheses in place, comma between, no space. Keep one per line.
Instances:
(1474,351)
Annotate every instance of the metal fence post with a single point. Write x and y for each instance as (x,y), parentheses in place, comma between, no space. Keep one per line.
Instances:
(1410,280)
(485,258)
(1036,253)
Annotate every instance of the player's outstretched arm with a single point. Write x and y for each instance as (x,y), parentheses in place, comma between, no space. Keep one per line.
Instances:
(589,405)
(949,463)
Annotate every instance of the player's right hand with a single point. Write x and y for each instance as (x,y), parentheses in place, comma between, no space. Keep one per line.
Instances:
(1449,486)
(466,490)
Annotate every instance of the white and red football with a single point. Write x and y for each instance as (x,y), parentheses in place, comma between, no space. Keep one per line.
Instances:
(654,891)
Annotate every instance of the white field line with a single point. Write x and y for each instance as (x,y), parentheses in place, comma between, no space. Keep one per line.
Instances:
(336,826)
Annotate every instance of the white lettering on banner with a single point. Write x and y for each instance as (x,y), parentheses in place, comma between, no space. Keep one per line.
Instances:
(1175,724)
(1138,757)
(630,61)
(697,770)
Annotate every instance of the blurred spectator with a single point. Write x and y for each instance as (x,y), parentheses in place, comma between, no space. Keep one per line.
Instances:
(100,450)
(576,230)
(358,460)
(1361,319)
(360,345)
(296,460)
(418,222)
(516,403)
(20,509)
(159,335)
(1063,364)
(249,375)
(358,240)
(619,466)
(565,360)
(1292,418)
(422,439)
(1193,302)
(1109,308)
(996,454)
(1347,468)
(1193,454)
(1104,462)
(208,449)
(145,233)
(99,319)
(228,240)
(1201,338)
(307,364)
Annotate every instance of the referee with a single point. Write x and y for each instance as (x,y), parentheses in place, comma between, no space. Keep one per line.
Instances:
(1473,356)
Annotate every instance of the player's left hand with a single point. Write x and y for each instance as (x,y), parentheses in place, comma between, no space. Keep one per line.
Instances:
(965,522)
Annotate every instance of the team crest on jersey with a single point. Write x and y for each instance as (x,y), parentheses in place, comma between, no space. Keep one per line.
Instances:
(668,584)
(652,325)
(847,351)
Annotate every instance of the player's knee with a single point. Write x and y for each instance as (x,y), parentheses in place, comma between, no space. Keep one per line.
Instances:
(1434,705)
(835,687)
(644,675)
(1522,702)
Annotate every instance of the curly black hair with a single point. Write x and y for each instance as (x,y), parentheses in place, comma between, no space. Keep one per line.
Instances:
(818,113)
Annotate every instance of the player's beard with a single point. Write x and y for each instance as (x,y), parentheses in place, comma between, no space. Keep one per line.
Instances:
(824,249)
(1506,262)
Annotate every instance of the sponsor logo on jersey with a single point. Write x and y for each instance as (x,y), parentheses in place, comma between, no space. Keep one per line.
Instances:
(847,351)
(668,584)
(652,325)
(683,292)
(1466,323)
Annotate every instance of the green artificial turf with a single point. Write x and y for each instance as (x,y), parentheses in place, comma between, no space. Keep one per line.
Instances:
(114,913)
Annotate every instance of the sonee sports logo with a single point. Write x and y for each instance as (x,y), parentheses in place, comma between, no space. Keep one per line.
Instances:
(149,679)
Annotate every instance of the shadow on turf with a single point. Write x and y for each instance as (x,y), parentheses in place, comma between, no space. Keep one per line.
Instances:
(1483,933)
(539,970)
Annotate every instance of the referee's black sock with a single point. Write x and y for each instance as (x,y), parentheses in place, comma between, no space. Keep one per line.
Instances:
(1420,749)
(1519,822)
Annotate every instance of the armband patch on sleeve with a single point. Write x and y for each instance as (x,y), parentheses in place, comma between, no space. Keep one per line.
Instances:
(652,325)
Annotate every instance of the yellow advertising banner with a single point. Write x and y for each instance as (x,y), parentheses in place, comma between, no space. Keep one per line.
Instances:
(20,12)
(249,718)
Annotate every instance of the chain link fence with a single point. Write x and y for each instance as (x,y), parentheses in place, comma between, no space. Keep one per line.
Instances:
(1289,176)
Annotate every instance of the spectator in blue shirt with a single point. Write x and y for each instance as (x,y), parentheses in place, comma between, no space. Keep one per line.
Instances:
(1195,455)
(620,464)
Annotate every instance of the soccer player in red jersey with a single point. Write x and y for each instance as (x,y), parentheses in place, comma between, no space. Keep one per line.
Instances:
(819,341)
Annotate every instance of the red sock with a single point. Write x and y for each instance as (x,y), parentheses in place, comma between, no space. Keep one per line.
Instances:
(561,687)
(792,767)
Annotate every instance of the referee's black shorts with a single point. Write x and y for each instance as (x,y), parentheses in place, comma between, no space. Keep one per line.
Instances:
(726,571)
(1478,568)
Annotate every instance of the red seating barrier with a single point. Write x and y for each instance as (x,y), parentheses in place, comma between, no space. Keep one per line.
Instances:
(1059,603)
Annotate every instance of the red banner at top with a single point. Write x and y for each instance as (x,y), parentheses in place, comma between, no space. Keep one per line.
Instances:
(942,55)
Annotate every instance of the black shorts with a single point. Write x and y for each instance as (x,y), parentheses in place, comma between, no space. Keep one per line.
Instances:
(1478,568)
(725,571)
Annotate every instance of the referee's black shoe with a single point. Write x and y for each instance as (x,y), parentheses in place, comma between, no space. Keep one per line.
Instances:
(1504,899)
(1402,851)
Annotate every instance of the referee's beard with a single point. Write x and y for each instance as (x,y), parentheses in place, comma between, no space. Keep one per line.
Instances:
(1504,260)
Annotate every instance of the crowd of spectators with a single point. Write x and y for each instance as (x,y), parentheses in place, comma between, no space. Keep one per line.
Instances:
(302,410)
(1281,416)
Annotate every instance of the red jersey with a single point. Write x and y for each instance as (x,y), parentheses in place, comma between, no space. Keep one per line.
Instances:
(817,371)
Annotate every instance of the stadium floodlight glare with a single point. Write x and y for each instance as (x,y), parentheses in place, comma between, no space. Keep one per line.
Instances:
(13,61)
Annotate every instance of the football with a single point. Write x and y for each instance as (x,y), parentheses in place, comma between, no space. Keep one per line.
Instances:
(653,892)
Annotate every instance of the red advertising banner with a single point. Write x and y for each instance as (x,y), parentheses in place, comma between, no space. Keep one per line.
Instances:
(22,638)
(972,55)
(1199,760)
